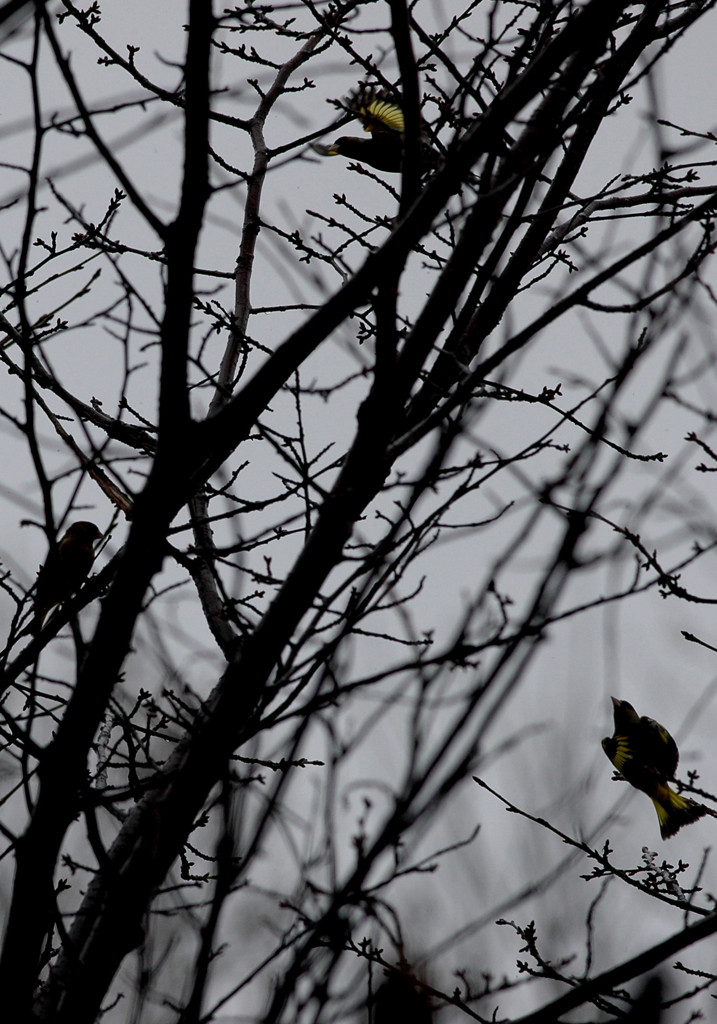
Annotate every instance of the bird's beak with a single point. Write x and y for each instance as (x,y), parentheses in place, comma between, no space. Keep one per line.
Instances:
(616,702)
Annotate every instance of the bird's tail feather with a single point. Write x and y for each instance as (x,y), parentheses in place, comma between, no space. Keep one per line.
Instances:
(674,811)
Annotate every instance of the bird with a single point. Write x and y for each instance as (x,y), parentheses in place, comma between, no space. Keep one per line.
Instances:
(382,117)
(646,756)
(401,997)
(65,570)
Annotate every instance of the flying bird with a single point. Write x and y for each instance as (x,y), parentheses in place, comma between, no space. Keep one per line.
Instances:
(382,117)
(65,569)
(646,756)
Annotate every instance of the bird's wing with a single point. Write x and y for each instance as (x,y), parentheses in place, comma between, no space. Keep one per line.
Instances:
(380,115)
(377,111)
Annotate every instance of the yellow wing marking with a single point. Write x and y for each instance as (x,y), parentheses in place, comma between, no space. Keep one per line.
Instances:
(622,752)
(387,114)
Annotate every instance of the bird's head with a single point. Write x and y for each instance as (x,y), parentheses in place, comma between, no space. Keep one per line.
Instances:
(83,532)
(624,712)
(339,146)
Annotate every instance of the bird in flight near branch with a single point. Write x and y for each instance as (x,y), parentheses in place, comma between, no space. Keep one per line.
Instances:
(382,118)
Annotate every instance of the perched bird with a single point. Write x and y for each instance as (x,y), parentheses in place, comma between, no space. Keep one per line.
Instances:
(646,756)
(382,118)
(401,997)
(65,569)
